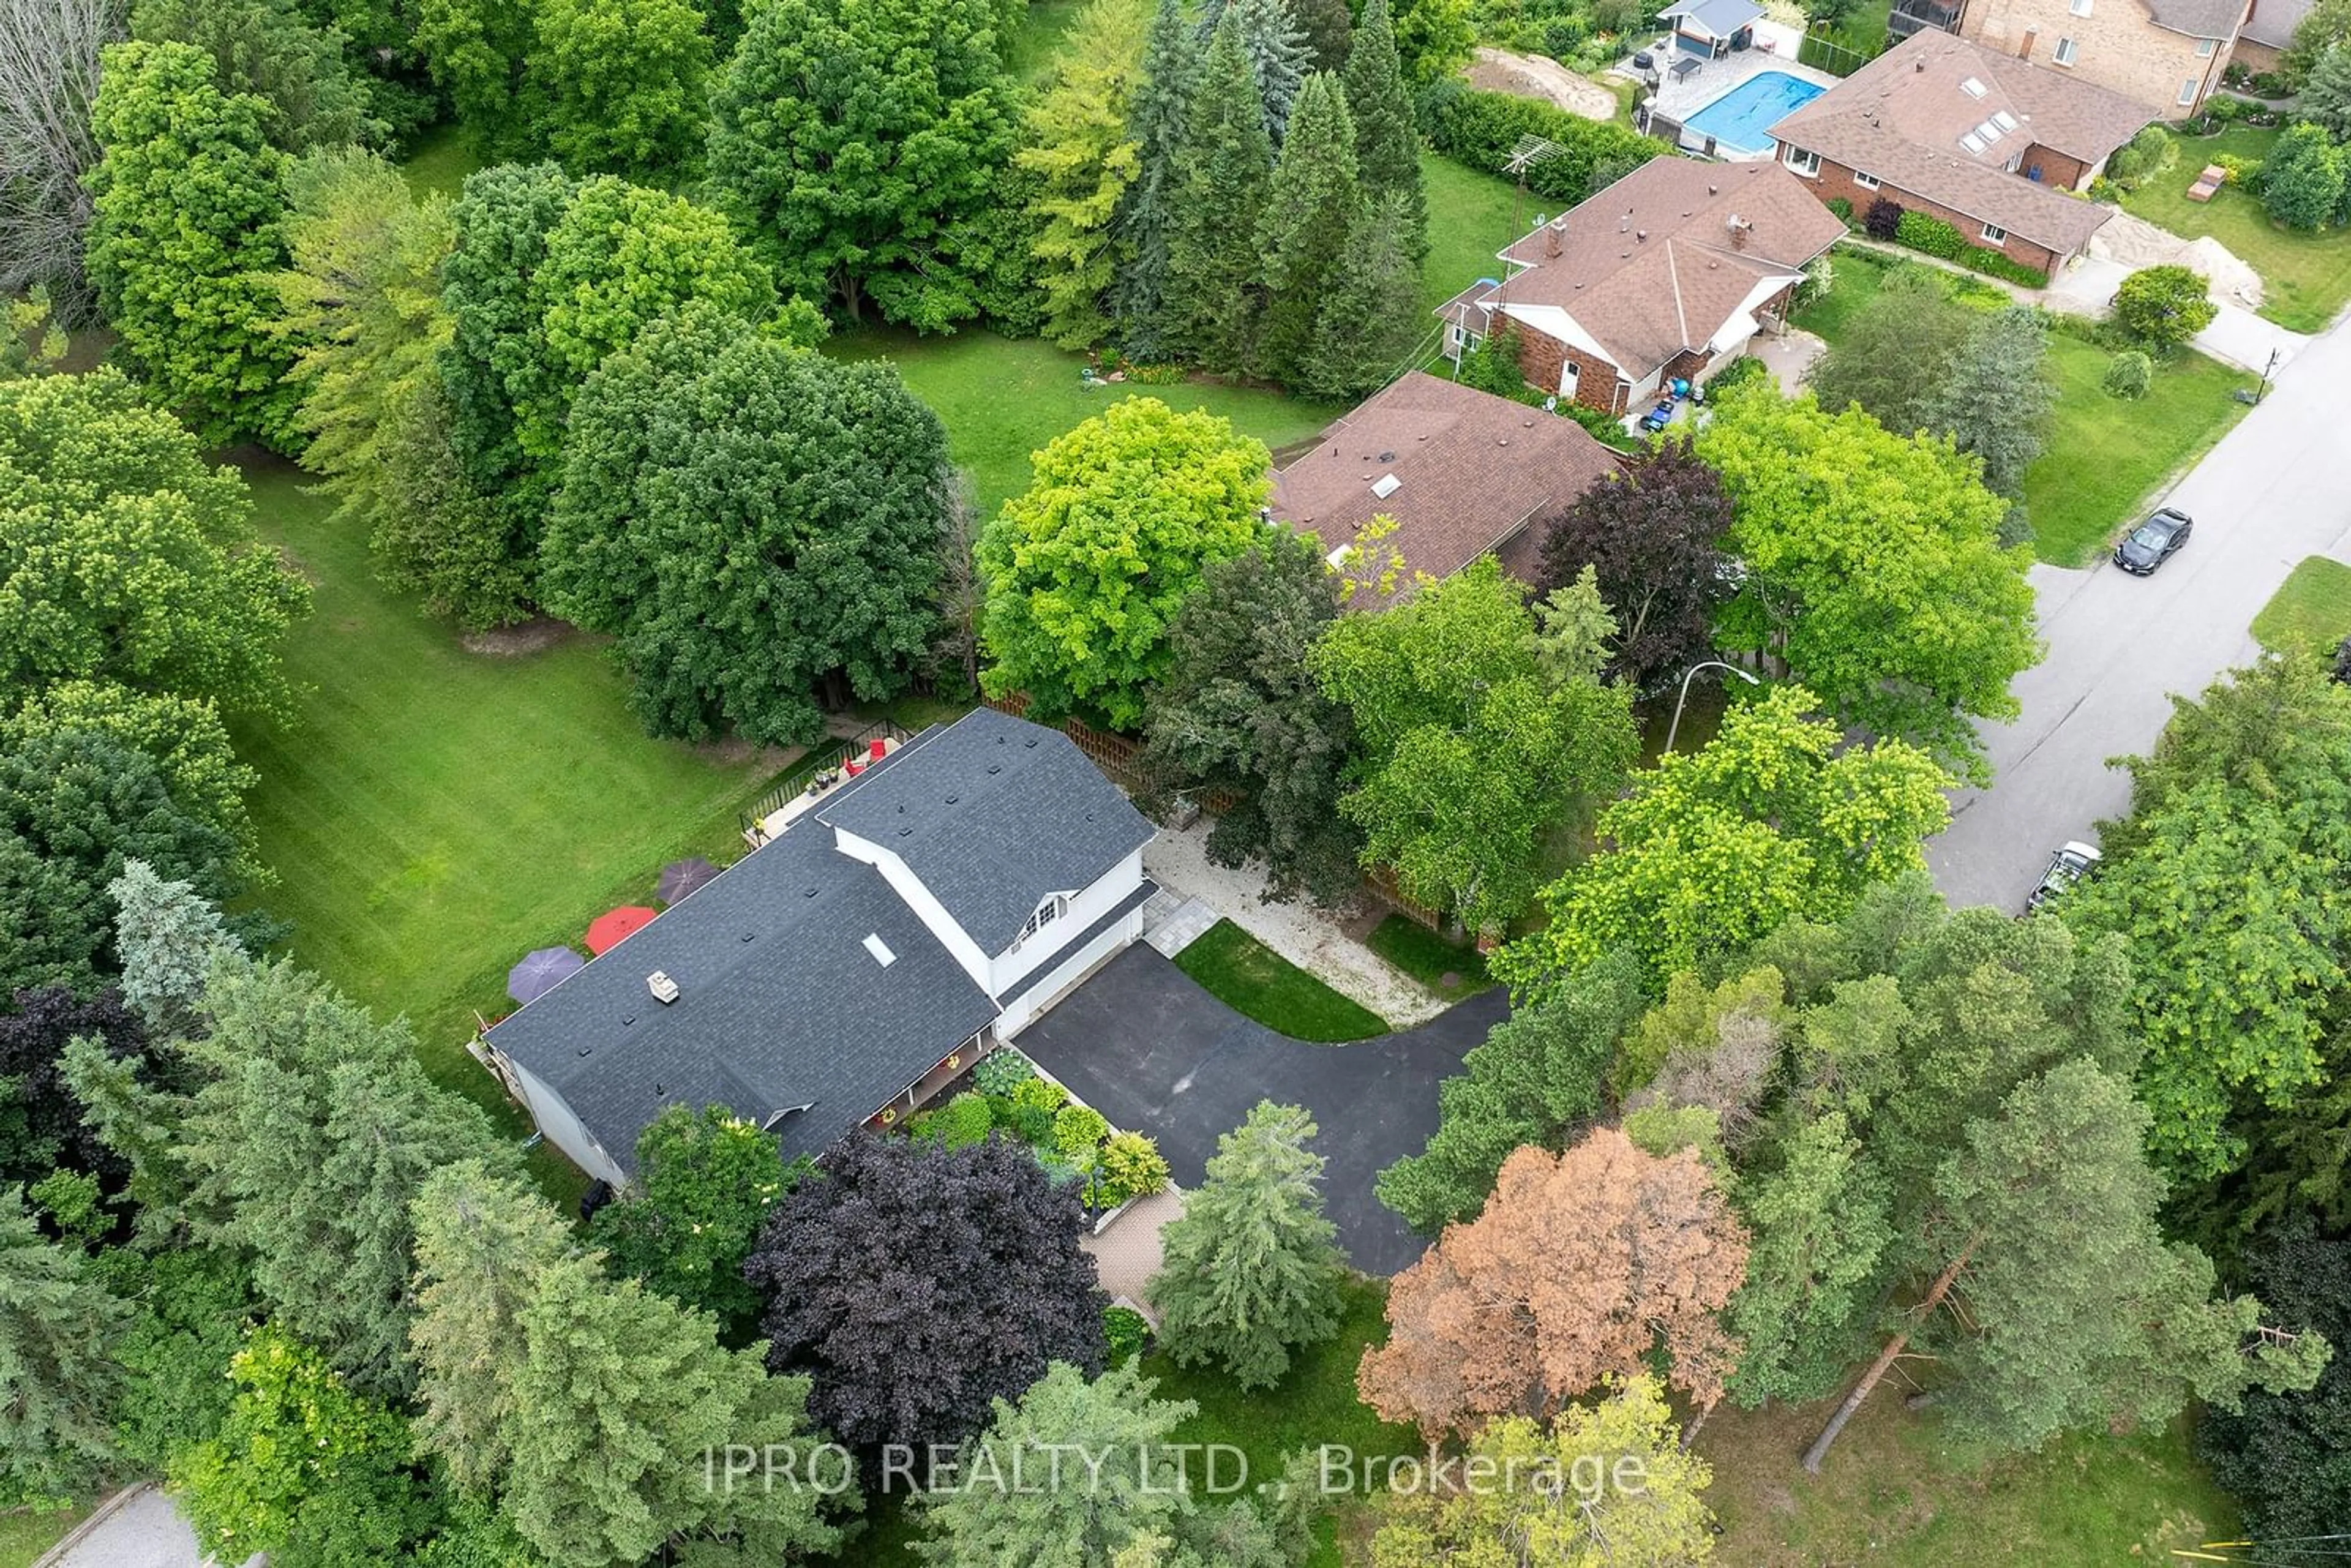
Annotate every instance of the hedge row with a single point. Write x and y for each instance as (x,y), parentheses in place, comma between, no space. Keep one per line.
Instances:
(1923,232)
(1482,128)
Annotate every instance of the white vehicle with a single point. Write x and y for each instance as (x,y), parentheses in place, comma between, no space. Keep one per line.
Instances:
(2074,861)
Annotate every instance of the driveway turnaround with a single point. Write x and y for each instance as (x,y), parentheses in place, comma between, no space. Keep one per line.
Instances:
(1150,1049)
(2275,489)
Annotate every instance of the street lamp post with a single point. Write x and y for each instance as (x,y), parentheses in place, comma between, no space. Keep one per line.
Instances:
(1675,728)
(2267,371)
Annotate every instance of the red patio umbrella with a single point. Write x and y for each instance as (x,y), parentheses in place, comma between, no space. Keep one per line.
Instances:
(616,926)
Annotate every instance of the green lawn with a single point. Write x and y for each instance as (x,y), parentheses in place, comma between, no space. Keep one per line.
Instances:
(434,814)
(1471,216)
(1313,1406)
(23,1536)
(1429,957)
(2103,458)
(1004,398)
(2312,608)
(1892,1492)
(1845,46)
(1254,981)
(441,160)
(2306,277)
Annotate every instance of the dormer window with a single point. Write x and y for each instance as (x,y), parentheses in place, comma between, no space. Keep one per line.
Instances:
(1052,909)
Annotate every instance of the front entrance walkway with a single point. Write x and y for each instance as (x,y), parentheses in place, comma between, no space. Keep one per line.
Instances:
(1151,1050)
(1127,1254)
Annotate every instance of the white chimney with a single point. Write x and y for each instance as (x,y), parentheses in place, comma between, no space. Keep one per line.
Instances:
(664,988)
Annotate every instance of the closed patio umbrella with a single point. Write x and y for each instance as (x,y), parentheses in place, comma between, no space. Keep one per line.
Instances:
(681,877)
(616,926)
(541,971)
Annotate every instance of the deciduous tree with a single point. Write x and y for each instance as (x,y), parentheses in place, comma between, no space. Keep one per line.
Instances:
(2303,185)
(757,525)
(1310,217)
(1088,569)
(1084,157)
(1611,1520)
(126,558)
(1224,177)
(1650,534)
(619,85)
(1251,1268)
(847,138)
(706,1183)
(1893,354)
(1536,1080)
(269,49)
(1713,849)
(1471,748)
(2164,306)
(1876,571)
(49,80)
(1239,713)
(918,1284)
(42,1125)
(184,738)
(184,235)
(1581,1265)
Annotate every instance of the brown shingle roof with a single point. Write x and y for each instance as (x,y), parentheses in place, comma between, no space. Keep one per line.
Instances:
(1471,470)
(1650,266)
(2272,22)
(1903,118)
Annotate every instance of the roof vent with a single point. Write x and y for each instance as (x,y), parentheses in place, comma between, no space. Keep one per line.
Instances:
(1031,743)
(1387,456)
(1386,484)
(1642,235)
(952,799)
(996,768)
(880,949)
(747,935)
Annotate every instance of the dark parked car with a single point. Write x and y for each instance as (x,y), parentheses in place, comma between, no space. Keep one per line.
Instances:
(2151,543)
(1660,417)
(2071,863)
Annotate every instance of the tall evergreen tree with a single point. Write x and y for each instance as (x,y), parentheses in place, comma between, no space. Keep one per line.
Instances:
(1279,59)
(1370,319)
(1251,1268)
(1387,138)
(1330,28)
(1146,223)
(1225,174)
(168,936)
(1310,216)
(57,1383)
(1084,161)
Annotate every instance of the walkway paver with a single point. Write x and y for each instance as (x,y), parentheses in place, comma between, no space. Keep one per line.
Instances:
(1150,1049)
(1127,1254)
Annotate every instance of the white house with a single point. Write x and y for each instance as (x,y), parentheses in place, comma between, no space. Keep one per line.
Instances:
(922,912)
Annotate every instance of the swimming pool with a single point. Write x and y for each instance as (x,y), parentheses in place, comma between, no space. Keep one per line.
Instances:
(1741,118)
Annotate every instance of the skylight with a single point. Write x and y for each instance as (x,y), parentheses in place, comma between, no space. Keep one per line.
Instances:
(880,949)
(1973,88)
(2004,119)
(1386,484)
(1989,131)
(1972,143)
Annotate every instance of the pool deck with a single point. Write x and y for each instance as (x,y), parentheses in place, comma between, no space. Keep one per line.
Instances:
(1676,101)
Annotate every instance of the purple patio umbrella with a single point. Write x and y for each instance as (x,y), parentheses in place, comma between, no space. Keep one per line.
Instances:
(540,972)
(681,877)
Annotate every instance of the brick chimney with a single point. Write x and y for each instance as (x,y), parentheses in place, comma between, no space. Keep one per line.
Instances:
(1550,235)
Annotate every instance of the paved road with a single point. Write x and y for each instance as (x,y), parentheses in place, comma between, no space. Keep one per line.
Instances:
(2275,489)
(1150,1049)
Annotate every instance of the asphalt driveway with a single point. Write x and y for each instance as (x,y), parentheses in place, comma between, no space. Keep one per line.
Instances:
(2275,489)
(1152,1051)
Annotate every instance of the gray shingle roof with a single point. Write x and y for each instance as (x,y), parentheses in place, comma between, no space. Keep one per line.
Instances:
(993,814)
(2272,22)
(2198,19)
(781,1005)
(1717,18)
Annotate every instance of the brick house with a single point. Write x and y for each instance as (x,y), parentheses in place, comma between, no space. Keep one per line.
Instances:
(2268,29)
(1668,274)
(1462,472)
(2166,54)
(1983,140)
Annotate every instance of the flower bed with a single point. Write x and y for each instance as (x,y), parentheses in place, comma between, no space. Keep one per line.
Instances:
(1073,1142)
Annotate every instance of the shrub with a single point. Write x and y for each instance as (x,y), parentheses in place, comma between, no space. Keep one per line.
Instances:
(1128,1332)
(1820,277)
(1607,429)
(2244,172)
(1998,264)
(1031,1108)
(2234,73)
(965,1119)
(1842,208)
(1741,371)
(1131,1168)
(2102,189)
(1077,1130)
(2266,84)
(1883,219)
(2148,153)
(1923,232)
(2303,180)
(1493,365)
(1482,129)
(2222,109)
(2129,376)
(2342,661)
(1002,1071)
(1156,375)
